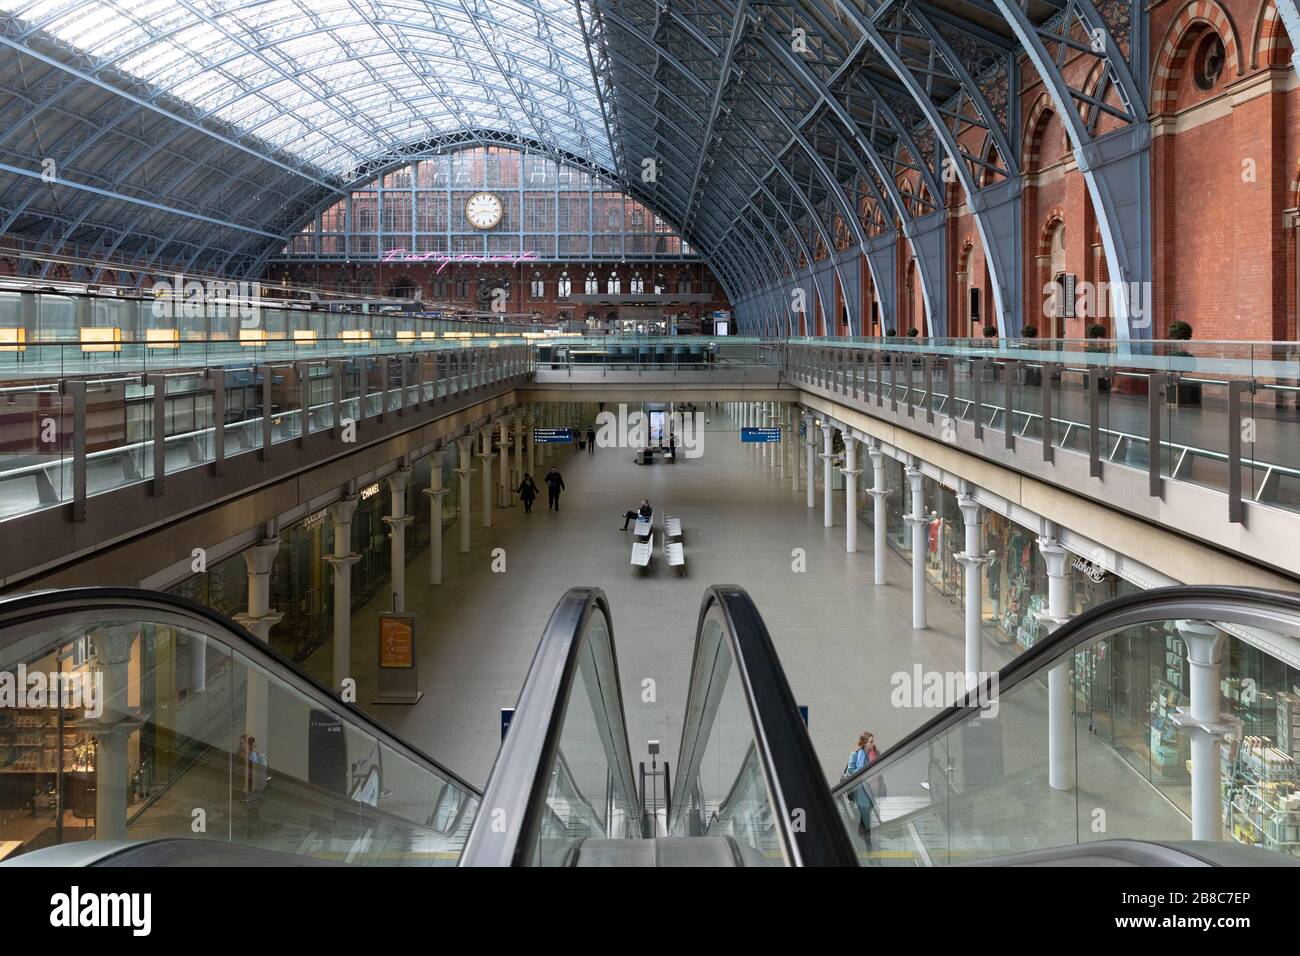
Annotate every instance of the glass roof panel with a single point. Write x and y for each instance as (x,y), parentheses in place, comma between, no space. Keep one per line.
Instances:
(337,82)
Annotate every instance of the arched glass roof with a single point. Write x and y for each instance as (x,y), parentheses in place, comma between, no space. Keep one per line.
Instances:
(335,83)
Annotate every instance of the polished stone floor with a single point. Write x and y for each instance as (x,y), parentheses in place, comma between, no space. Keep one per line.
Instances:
(840,638)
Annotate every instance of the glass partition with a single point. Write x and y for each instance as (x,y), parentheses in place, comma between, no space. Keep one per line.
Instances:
(1166,729)
(135,718)
(721,790)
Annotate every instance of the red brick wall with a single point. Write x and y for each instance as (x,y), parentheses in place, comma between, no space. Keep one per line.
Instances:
(378,278)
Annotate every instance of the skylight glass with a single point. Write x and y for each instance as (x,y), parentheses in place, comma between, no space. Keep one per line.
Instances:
(337,82)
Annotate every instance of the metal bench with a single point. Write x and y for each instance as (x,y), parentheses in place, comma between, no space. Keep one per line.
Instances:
(675,556)
(641,530)
(672,528)
(641,551)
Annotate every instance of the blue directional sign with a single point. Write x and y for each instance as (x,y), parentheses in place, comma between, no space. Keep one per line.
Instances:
(553,436)
(507,715)
(763,436)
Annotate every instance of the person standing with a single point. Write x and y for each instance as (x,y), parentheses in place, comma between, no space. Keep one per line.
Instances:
(554,485)
(527,493)
(862,797)
(591,440)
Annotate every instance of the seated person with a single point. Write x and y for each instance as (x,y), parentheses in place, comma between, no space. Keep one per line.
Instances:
(645,511)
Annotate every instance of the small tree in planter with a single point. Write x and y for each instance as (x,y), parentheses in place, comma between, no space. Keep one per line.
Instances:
(913,333)
(1183,393)
(990,331)
(1098,331)
(1028,375)
(890,333)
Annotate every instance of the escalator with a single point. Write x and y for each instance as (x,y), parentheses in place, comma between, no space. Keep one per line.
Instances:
(749,790)
(1043,764)
(154,731)
(194,743)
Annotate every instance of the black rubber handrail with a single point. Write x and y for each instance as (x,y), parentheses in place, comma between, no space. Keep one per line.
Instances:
(20,608)
(515,798)
(1199,602)
(807,821)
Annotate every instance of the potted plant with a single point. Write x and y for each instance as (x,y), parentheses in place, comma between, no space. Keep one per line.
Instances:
(1029,375)
(990,331)
(1097,331)
(890,333)
(913,333)
(1180,392)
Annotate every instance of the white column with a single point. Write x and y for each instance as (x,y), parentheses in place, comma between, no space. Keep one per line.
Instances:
(485,454)
(435,491)
(341,561)
(111,731)
(504,478)
(1203,725)
(792,417)
(850,472)
(397,522)
(1060,749)
(920,525)
(810,448)
(785,439)
(529,419)
(518,476)
(258,620)
(465,447)
(879,498)
(828,519)
(973,561)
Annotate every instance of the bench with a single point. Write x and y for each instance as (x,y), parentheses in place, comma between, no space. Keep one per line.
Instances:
(641,551)
(641,530)
(675,556)
(672,528)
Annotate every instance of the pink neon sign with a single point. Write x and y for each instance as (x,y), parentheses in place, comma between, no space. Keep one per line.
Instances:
(446,259)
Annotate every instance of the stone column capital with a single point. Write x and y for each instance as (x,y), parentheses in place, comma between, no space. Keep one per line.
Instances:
(341,511)
(261,556)
(399,479)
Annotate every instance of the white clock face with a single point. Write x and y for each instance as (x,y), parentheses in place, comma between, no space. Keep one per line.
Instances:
(483,210)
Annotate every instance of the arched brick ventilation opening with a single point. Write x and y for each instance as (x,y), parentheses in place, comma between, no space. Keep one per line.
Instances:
(1181,41)
(1051,305)
(1199,57)
(1271,45)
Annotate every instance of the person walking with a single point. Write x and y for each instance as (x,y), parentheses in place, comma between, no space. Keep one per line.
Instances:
(527,491)
(554,485)
(591,440)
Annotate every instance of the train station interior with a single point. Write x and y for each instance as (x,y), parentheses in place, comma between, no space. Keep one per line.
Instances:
(649,433)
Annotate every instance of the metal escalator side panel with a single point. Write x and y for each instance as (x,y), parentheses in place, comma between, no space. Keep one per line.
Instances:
(734,654)
(1248,607)
(518,825)
(222,721)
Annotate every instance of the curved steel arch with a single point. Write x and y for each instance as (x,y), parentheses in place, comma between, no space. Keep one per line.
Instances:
(1117,166)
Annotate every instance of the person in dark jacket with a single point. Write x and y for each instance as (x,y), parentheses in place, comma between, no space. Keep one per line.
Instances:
(527,493)
(554,485)
(591,440)
(645,511)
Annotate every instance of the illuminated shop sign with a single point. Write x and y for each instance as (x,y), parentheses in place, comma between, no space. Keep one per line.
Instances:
(445,259)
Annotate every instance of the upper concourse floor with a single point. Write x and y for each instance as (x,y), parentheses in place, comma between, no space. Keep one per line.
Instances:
(83,471)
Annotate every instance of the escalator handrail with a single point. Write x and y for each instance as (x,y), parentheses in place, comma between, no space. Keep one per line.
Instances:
(1213,603)
(20,608)
(791,770)
(514,800)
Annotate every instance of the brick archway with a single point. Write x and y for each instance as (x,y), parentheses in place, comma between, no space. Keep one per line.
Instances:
(1271,44)
(1188,24)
